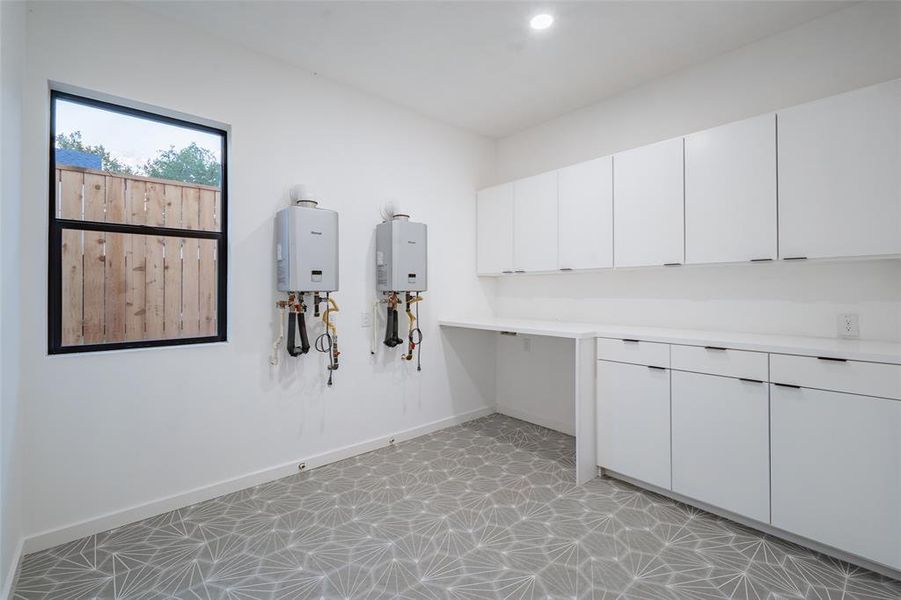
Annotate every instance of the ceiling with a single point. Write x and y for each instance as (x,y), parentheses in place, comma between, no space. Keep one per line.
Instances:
(478,65)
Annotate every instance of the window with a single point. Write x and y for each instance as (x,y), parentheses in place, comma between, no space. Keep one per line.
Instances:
(138,208)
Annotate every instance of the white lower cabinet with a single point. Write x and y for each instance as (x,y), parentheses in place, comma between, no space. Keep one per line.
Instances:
(704,422)
(836,470)
(633,416)
(720,433)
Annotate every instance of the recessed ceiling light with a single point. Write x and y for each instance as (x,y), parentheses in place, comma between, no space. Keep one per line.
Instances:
(542,21)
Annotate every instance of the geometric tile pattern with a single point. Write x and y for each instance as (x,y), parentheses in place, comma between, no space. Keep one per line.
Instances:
(487,509)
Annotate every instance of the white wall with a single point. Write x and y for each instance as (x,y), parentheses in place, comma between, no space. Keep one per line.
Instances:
(110,431)
(846,49)
(535,380)
(12,62)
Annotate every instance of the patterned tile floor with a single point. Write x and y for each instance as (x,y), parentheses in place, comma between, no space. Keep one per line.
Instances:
(488,509)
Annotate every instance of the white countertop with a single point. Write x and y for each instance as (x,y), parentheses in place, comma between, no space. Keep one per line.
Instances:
(564,329)
(884,352)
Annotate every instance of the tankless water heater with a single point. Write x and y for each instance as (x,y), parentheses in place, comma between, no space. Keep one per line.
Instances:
(401,256)
(307,248)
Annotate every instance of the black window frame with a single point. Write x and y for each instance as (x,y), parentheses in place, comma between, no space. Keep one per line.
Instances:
(57,225)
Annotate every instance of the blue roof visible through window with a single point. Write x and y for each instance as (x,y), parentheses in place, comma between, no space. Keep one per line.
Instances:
(75,158)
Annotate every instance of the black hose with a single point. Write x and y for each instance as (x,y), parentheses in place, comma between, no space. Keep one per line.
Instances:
(304,339)
(391,337)
(389,316)
(416,338)
(295,322)
(394,328)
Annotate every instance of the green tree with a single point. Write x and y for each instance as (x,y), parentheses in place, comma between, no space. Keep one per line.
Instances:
(73,141)
(191,164)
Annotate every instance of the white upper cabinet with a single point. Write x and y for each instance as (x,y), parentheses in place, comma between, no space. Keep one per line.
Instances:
(840,175)
(730,192)
(535,223)
(495,230)
(648,205)
(585,213)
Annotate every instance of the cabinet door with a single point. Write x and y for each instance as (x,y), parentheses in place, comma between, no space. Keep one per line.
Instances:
(730,192)
(495,229)
(585,213)
(840,175)
(634,421)
(535,223)
(721,452)
(648,207)
(836,462)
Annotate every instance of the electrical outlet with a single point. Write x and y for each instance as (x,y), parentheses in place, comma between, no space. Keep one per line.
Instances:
(849,325)
(365,319)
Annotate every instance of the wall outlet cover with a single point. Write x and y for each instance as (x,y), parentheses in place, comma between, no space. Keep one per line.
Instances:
(849,325)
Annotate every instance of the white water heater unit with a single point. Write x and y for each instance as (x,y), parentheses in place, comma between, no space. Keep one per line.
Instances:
(401,255)
(307,248)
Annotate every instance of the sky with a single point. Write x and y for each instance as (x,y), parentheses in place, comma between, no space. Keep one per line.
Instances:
(130,139)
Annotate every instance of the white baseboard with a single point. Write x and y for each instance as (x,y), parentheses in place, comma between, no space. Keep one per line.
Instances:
(61,535)
(10,582)
(524,415)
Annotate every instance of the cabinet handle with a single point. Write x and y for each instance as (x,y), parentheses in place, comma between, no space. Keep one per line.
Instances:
(566,268)
(795,258)
(630,341)
(506,271)
(761,259)
(746,380)
(519,271)
(831,359)
(672,264)
(788,385)
(657,368)
(507,332)
(717,348)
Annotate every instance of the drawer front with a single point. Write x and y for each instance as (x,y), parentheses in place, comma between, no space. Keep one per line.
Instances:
(633,351)
(720,361)
(853,377)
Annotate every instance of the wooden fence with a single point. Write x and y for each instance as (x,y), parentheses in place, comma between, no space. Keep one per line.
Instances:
(121,286)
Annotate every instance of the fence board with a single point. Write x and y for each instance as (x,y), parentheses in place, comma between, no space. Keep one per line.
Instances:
(191,208)
(94,197)
(208,210)
(173,206)
(135,192)
(172,287)
(72,290)
(115,200)
(135,287)
(70,194)
(218,211)
(190,291)
(156,204)
(207,287)
(94,275)
(114,290)
(154,317)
